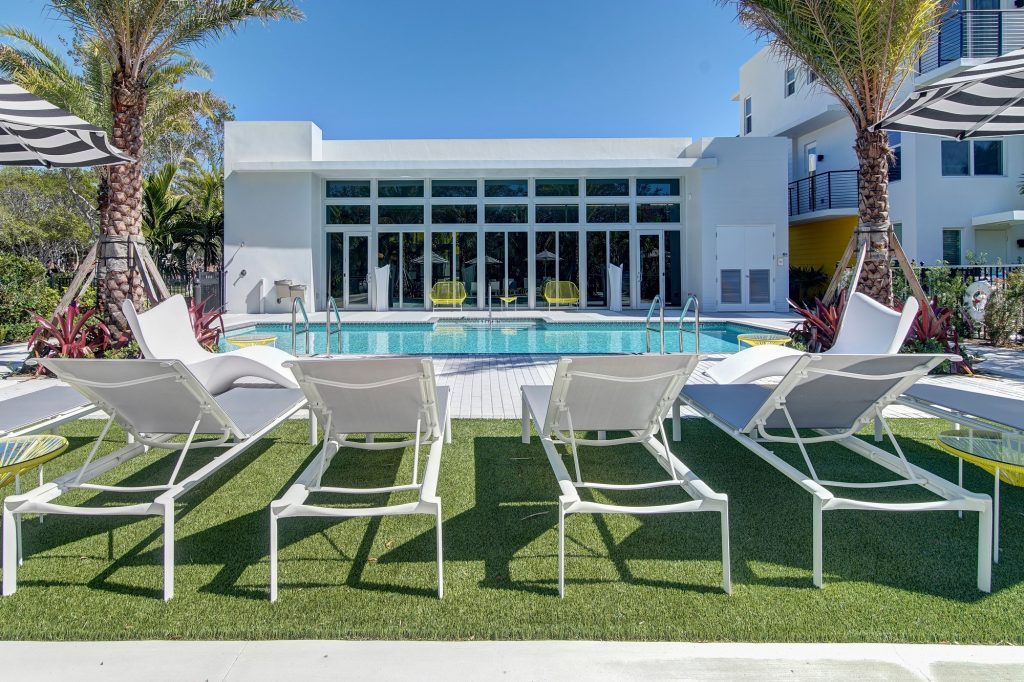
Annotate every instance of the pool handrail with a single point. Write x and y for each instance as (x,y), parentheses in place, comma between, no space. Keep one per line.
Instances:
(656,303)
(297,305)
(692,298)
(332,305)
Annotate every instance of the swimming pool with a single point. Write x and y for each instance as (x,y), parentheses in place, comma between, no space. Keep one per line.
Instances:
(504,337)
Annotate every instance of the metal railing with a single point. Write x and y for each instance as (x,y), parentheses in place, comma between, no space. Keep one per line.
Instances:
(297,305)
(974,34)
(692,298)
(332,305)
(656,304)
(823,191)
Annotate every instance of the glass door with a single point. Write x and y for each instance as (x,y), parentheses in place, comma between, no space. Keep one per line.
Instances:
(618,254)
(357,271)
(650,268)
(454,258)
(597,269)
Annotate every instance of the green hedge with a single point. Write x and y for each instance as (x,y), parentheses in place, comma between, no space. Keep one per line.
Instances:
(23,290)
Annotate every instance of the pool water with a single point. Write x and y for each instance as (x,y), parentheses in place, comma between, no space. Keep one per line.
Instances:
(505,337)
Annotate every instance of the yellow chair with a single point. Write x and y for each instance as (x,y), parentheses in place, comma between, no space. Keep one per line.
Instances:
(448,293)
(561,292)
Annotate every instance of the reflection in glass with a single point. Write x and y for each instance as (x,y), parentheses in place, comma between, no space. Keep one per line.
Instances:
(441,257)
(336,266)
(558,213)
(348,215)
(388,254)
(607,188)
(358,270)
(546,260)
(618,254)
(518,271)
(400,215)
(673,268)
(657,188)
(399,188)
(465,251)
(494,265)
(608,213)
(657,213)
(558,188)
(453,214)
(412,270)
(597,272)
(348,189)
(505,213)
(569,256)
(505,188)
(650,264)
(453,188)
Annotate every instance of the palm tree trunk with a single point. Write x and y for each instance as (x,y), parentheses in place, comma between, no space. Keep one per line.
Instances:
(873,154)
(121,207)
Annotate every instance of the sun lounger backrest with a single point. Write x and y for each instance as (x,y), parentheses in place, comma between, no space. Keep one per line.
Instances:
(371,395)
(616,393)
(870,328)
(818,399)
(164,332)
(150,396)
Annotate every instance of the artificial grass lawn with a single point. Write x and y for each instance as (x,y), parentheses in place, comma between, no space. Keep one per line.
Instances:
(888,577)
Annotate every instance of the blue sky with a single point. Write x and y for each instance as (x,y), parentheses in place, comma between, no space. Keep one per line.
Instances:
(480,68)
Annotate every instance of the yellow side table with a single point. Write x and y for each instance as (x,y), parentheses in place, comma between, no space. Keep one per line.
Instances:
(505,300)
(245,340)
(762,339)
(19,454)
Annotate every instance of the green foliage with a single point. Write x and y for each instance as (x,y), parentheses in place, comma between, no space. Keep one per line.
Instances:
(129,351)
(48,215)
(945,286)
(807,283)
(1004,312)
(23,291)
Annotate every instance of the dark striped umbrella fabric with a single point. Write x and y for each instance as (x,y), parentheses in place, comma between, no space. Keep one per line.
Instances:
(983,101)
(34,132)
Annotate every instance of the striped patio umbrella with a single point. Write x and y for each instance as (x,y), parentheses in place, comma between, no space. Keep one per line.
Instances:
(34,132)
(983,101)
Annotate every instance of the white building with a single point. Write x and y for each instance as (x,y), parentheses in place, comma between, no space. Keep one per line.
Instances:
(503,217)
(949,199)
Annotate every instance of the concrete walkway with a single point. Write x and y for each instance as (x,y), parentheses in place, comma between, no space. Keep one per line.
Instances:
(311,661)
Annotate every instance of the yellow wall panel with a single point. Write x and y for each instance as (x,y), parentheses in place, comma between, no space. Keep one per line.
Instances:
(820,244)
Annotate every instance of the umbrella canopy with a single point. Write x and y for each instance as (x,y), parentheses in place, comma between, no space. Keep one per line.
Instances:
(983,101)
(435,258)
(545,255)
(489,260)
(34,132)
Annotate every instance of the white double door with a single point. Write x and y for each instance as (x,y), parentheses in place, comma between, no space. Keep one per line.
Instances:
(745,273)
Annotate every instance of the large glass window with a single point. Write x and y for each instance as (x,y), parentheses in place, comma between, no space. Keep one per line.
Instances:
(465,251)
(674,268)
(505,213)
(518,264)
(956,158)
(608,213)
(988,157)
(569,256)
(558,213)
(412,270)
(597,270)
(388,253)
(657,213)
(348,215)
(455,259)
(506,188)
(348,189)
(896,162)
(336,266)
(790,86)
(618,254)
(558,188)
(657,188)
(494,266)
(951,246)
(453,188)
(399,188)
(748,116)
(546,259)
(453,214)
(607,188)
(400,215)
(441,269)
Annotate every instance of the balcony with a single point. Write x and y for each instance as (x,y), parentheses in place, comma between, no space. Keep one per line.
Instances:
(835,191)
(974,34)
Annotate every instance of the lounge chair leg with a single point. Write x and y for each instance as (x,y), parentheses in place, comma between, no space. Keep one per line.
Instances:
(21,551)
(169,551)
(878,430)
(440,556)
(273,557)
(677,425)
(312,427)
(817,533)
(526,421)
(726,557)
(995,520)
(960,481)
(561,551)
(10,553)
(984,548)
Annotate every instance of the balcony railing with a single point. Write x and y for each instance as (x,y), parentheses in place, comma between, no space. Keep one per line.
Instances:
(823,192)
(974,34)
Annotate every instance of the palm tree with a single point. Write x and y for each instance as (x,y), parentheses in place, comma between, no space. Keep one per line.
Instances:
(162,207)
(201,229)
(139,38)
(862,51)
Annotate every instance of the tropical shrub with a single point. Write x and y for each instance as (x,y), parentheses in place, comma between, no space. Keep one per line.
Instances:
(207,325)
(937,333)
(23,289)
(820,325)
(71,334)
(1004,312)
(806,283)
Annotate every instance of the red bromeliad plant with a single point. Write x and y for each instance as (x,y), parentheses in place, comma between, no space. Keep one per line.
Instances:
(71,334)
(207,325)
(937,333)
(818,330)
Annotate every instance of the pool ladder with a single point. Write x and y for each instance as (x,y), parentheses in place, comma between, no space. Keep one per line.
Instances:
(656,305)
(692,298)
(297,306)
(332,306)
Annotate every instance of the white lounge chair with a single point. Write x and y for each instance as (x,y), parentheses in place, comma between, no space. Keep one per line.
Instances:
(42,411)
(153,400)
(164,332)
(837,395)
(867,328)
(616,393)
(369,396)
